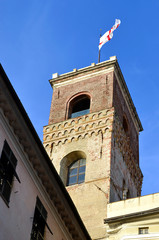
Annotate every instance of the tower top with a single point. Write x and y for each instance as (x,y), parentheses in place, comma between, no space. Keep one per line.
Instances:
(98,69)
(76,71)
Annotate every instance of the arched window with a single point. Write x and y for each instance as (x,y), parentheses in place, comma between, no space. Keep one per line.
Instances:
(72,168)
(76,172)
(79,106)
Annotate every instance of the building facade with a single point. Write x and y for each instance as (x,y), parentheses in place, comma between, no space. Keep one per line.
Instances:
(34,204)
(93,140)
(135,218)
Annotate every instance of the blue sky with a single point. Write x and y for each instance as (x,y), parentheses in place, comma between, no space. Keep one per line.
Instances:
(41,37)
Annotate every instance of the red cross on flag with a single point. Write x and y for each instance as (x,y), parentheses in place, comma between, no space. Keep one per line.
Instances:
(109,34)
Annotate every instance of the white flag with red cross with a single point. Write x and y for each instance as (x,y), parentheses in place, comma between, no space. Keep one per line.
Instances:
(109,34)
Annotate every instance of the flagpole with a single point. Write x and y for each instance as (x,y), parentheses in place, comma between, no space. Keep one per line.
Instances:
(99,56)
(99,49)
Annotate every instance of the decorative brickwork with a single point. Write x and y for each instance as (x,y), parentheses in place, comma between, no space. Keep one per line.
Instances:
(123,143)
(75,129)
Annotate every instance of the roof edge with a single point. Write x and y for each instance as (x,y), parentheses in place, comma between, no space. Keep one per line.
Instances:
(131,216)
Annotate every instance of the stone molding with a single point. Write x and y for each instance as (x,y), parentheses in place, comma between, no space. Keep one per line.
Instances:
(78,128)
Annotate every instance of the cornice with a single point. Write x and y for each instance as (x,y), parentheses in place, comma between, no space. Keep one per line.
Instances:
(77,72)
(80,77)
(80,127)
(126,217)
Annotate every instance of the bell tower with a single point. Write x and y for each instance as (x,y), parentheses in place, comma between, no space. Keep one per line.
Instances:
(92,140)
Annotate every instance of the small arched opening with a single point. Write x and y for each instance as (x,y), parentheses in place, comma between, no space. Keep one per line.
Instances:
(79,105)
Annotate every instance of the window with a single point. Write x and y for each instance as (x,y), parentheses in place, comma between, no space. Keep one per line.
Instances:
(144,230)
(79,106)
(66,164)
(8,164)
(39,222)
(125,124)
(76,172)
(125,191)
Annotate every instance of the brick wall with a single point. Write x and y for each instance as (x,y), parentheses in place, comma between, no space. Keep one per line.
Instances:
(99,88)
(121,110)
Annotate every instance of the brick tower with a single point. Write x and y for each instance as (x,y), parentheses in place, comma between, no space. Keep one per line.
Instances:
(92,140)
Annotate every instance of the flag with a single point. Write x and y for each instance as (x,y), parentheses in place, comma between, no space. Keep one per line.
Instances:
(109,34)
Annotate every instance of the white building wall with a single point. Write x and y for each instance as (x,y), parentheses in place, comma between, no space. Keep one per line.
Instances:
(17,218)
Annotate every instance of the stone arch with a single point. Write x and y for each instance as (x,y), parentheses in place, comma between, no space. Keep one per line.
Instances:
(47,129)
(65,133)
(47,147)
(67,160)
(47,137)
